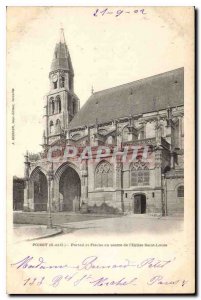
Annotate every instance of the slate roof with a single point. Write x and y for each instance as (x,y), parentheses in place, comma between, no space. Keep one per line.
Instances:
(142,96)
(61,59)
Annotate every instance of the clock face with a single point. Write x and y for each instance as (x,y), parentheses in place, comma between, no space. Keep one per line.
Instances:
(54,78)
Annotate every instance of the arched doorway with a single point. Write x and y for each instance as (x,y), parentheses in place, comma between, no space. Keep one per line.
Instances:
(70,190)
(139,206)
(40,190)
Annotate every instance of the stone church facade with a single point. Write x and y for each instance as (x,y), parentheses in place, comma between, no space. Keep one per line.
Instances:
(144,116)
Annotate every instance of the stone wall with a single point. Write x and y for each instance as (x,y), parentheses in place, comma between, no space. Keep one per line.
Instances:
(175,204)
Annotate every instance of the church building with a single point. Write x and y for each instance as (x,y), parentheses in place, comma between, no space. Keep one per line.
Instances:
(145,116)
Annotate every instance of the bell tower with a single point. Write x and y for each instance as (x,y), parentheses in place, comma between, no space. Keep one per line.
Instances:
(61,103)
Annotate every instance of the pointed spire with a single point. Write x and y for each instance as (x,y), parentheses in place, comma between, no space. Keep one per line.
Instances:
(61,59)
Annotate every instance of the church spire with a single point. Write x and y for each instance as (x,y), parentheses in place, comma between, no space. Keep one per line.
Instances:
(62,103)
(61,58)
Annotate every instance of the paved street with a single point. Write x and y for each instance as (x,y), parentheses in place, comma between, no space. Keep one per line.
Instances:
(125,224)
(25,232)
(119,225)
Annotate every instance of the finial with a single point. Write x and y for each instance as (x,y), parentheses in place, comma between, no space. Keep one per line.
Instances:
(62,37)
(92,89)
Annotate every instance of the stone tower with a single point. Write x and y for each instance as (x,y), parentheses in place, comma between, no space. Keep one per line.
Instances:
(61,103)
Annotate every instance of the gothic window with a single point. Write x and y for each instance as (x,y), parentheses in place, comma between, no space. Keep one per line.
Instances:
(51,126)
(180,191)
(58,125)
(51,106)
(139,176)
(58,101)
(55,85)
(103,175)
(62,81)
(125,134)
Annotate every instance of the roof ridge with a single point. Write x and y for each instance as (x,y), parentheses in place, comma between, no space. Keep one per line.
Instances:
(138,80)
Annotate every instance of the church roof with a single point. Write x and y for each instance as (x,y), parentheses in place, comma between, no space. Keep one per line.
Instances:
(61,59)
(142,96)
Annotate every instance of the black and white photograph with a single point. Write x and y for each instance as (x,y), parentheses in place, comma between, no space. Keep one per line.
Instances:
(100,114)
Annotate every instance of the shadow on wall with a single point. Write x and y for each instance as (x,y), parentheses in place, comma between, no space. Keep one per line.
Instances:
(102,209)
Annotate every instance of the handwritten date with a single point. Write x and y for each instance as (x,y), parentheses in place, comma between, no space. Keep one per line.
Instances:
(116,13)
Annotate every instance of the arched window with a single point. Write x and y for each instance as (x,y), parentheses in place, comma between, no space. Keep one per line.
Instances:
(58,125)
(103,175)
(62,81)
(139,176)
(58,101)
(51,106)
(51,126)
(125,134)
(180,191)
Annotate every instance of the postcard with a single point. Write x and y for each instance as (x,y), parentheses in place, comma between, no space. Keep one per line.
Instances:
(100,150)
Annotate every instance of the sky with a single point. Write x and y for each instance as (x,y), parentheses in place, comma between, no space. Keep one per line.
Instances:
(105,50)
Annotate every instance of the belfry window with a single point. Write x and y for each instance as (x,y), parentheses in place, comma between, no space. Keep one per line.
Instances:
(103,175)
(51,126)
(139,176)
(58,104)
(51,106)
(62,82)
(55,85)
(180,191)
